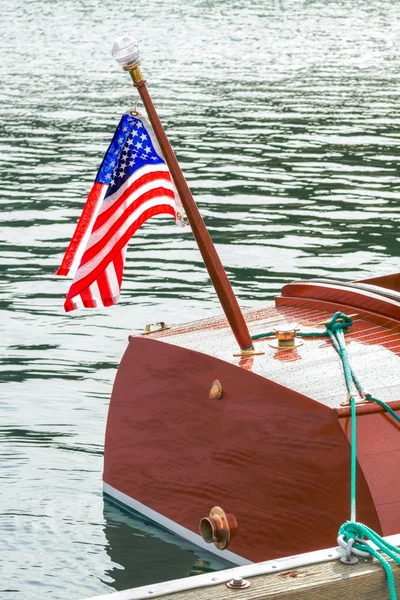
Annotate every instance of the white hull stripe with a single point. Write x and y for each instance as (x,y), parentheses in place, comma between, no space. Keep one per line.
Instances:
(173,526)
(287,563)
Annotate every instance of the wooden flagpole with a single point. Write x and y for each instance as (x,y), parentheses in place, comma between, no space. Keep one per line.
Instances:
(130,62)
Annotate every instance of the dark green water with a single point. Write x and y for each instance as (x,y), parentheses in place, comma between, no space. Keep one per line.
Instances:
(284,116)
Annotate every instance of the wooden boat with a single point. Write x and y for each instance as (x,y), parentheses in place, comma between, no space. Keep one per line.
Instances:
(274,450)
(254,444)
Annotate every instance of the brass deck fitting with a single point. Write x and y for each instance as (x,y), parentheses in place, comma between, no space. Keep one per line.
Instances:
(286,338)
(218,528)
(161,326)
(216,392)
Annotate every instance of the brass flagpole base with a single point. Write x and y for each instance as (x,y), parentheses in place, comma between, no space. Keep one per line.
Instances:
(249,352)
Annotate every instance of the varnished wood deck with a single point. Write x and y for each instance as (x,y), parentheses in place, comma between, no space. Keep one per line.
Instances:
(313,369)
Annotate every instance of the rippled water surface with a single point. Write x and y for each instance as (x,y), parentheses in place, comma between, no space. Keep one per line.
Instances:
(284,116)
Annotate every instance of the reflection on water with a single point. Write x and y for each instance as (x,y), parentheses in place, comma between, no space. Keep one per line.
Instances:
(283,114)
(135,543)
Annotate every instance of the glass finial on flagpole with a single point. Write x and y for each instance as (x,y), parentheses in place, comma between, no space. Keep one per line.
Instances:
(125,50)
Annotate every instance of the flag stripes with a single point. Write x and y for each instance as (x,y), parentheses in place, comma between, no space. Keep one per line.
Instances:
(85,279)
(80,238)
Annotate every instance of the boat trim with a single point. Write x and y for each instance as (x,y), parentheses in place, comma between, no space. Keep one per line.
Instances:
(183,532)
(350,290)
(251,570)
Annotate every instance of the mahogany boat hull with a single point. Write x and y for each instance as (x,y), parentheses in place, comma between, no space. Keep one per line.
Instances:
(276,459)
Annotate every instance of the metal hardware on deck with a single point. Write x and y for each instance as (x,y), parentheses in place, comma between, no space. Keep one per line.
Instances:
(216,391)
(286,338)
(349,558)
(238,583)
(148,328)
(249,352)
(218,528)
(347,402)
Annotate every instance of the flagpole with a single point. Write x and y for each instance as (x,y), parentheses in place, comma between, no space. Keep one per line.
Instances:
(126,52)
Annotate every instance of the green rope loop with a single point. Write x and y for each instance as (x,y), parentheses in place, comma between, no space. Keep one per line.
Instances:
(338,322)
(358,532)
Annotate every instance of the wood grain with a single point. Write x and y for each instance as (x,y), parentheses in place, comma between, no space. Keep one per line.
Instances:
(326,581)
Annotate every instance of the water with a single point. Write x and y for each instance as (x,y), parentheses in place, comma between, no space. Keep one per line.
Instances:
(283,114)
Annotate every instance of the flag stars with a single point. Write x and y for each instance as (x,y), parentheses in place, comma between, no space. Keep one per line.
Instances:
(132,148)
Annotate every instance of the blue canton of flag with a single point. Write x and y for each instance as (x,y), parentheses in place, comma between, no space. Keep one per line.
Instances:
(131,148)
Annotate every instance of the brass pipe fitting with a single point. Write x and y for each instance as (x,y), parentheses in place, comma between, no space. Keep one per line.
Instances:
(218,528)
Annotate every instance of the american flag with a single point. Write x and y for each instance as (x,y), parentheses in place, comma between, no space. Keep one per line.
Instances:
(132,185)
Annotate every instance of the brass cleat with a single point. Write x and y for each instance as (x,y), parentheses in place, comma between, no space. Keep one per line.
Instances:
(148,328)
(286,338)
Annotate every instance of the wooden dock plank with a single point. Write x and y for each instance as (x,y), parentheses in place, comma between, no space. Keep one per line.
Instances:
(327,581)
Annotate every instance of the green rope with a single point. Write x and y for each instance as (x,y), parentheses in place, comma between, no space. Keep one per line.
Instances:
(383,405)
(353,530)
(305,334)
(353,461)
(334,324)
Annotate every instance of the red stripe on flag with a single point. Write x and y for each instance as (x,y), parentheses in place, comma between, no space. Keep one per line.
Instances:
(119,267)
(105,291)
(87,298)
(91,252)
(69,305)
(81,228)
(147,178)
(79,286)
